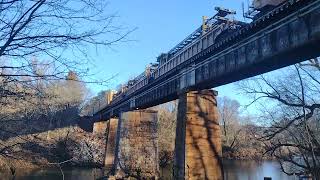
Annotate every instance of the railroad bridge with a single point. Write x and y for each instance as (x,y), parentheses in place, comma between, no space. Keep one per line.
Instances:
(288,34)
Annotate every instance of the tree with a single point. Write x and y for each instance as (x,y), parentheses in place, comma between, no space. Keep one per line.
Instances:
(59,31)
(48,105)
(229,119)
(167,119)
(36,95)
(290,116)
(167,123)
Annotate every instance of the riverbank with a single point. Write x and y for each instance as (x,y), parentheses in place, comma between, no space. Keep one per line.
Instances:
(71,145)
(246,155)
(81,149)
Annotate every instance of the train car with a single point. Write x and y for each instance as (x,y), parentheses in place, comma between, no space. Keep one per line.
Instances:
(205,36)
(212,31)
(151,70)
(143,79)
(263,5)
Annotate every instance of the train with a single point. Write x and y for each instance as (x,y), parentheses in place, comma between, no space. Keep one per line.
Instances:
(211,31)
(265,5)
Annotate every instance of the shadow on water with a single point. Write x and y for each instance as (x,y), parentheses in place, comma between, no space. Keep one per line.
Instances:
(55,174)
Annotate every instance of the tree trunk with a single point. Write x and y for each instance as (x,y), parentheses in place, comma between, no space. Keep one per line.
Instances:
(316,174)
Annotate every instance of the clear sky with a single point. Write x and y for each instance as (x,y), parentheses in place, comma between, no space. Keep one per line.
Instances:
(160,26)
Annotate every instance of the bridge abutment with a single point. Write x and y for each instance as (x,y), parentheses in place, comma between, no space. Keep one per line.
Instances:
(138,144)
(198,140)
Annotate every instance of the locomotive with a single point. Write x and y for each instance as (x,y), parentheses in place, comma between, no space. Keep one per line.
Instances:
(211,31)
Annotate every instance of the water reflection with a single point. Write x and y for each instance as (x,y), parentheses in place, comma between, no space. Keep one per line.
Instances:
(234,170)
(253,170)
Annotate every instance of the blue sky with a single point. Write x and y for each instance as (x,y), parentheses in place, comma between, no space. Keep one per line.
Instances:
(160,26)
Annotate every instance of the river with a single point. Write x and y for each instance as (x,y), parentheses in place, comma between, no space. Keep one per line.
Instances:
(234,170)
(253,170)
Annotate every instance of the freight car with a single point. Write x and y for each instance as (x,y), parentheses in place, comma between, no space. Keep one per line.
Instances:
(213,30)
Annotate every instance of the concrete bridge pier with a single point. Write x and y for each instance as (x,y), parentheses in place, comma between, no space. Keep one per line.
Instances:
(111,134)
(137,151)
(198,140)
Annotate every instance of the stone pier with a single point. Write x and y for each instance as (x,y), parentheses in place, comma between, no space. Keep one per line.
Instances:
(112,127)
(138,144)
(198,140)
(100,128)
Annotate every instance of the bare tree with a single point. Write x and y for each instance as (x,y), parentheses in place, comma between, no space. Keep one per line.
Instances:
(28,120)
(290,116)
(59,31)
(167,119)
(45,50)
(229,119)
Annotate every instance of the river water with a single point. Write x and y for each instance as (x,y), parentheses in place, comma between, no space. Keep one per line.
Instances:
(234,170)
(253,170)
